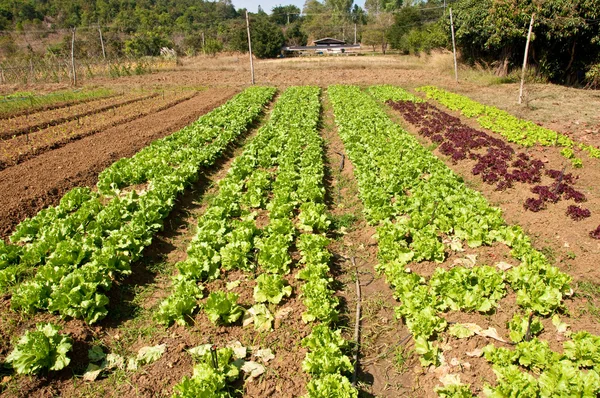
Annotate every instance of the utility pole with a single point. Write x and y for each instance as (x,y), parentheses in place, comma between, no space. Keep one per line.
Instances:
(203,44)
(525,59)
(354,33)
(250,46)
(454,46)
(288,15)
(102,42)
(73,57)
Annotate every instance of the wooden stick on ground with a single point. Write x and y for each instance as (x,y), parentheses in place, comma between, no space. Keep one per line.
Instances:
(357,323)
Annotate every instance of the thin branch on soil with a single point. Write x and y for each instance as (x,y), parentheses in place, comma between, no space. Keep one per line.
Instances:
(343,160)
(357,324)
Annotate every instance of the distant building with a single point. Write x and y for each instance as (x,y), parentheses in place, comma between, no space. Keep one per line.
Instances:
(324,46)
(329,42)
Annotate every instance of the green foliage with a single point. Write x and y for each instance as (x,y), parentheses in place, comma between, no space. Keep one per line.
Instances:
(566,39)
(222,307)
(44,348)
(148,43)
(267,38)
(454,391)
(468,289)
(181,303)
(330,386)
(212,47)
(519,326)
(271,288)
(213,372)
(80,246)
(560,375)
(325,354)
(414,200)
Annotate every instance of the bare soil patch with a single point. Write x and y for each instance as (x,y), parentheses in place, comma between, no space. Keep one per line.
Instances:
(24,147)
(32,122)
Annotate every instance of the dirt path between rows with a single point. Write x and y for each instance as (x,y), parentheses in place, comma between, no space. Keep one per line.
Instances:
(30,186)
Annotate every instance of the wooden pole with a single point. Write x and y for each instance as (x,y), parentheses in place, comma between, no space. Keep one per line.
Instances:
(525,59)
(454,46)
(73,57)
(250,46)
(102,42)
(355,33)
(203,44)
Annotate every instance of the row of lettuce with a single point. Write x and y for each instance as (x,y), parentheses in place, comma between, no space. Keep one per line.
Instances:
(422,211)
(279,175)
(522,132)
(64,259)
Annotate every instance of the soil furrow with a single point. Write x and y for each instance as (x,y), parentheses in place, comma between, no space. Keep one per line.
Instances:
(379,372)
(49,107)
(45,121)
(43,180)
(21,149)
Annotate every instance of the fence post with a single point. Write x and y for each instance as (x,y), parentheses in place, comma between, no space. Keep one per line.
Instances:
(250,46)
(454,46)
(525,60)
(73,57)
(102,42)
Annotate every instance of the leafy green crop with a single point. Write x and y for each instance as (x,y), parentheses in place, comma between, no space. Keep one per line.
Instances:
(82,245)
(212,373)
(271,288)
(331,386)
(516,130)
(44,348)
(416,203)
(222,307)
(325,354)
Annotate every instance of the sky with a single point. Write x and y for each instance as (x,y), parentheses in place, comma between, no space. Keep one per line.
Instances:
(267,5)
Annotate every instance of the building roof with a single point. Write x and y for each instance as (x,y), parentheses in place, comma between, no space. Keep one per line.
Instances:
(329,40)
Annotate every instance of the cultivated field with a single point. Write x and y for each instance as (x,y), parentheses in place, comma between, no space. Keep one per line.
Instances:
(353,226)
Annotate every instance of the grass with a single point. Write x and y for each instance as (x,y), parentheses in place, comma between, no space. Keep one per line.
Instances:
(27,100)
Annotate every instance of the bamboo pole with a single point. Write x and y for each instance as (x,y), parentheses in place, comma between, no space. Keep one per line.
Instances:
(102,42)
(250,47)
(525,59)
(73,57)
(453,46)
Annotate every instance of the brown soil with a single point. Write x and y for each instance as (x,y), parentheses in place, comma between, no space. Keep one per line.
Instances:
(36,121)
(40,182)
(48,107)
(25,147)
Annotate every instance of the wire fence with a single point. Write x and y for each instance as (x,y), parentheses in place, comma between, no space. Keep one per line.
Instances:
(60,70)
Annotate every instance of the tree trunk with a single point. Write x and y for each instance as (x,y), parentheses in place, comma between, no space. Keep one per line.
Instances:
(502,69)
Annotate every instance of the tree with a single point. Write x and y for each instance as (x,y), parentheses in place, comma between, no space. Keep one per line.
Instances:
(283,15)
(294,36)
(267,38)
(318,22)
(565,42)
(405,20)
(378,6)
